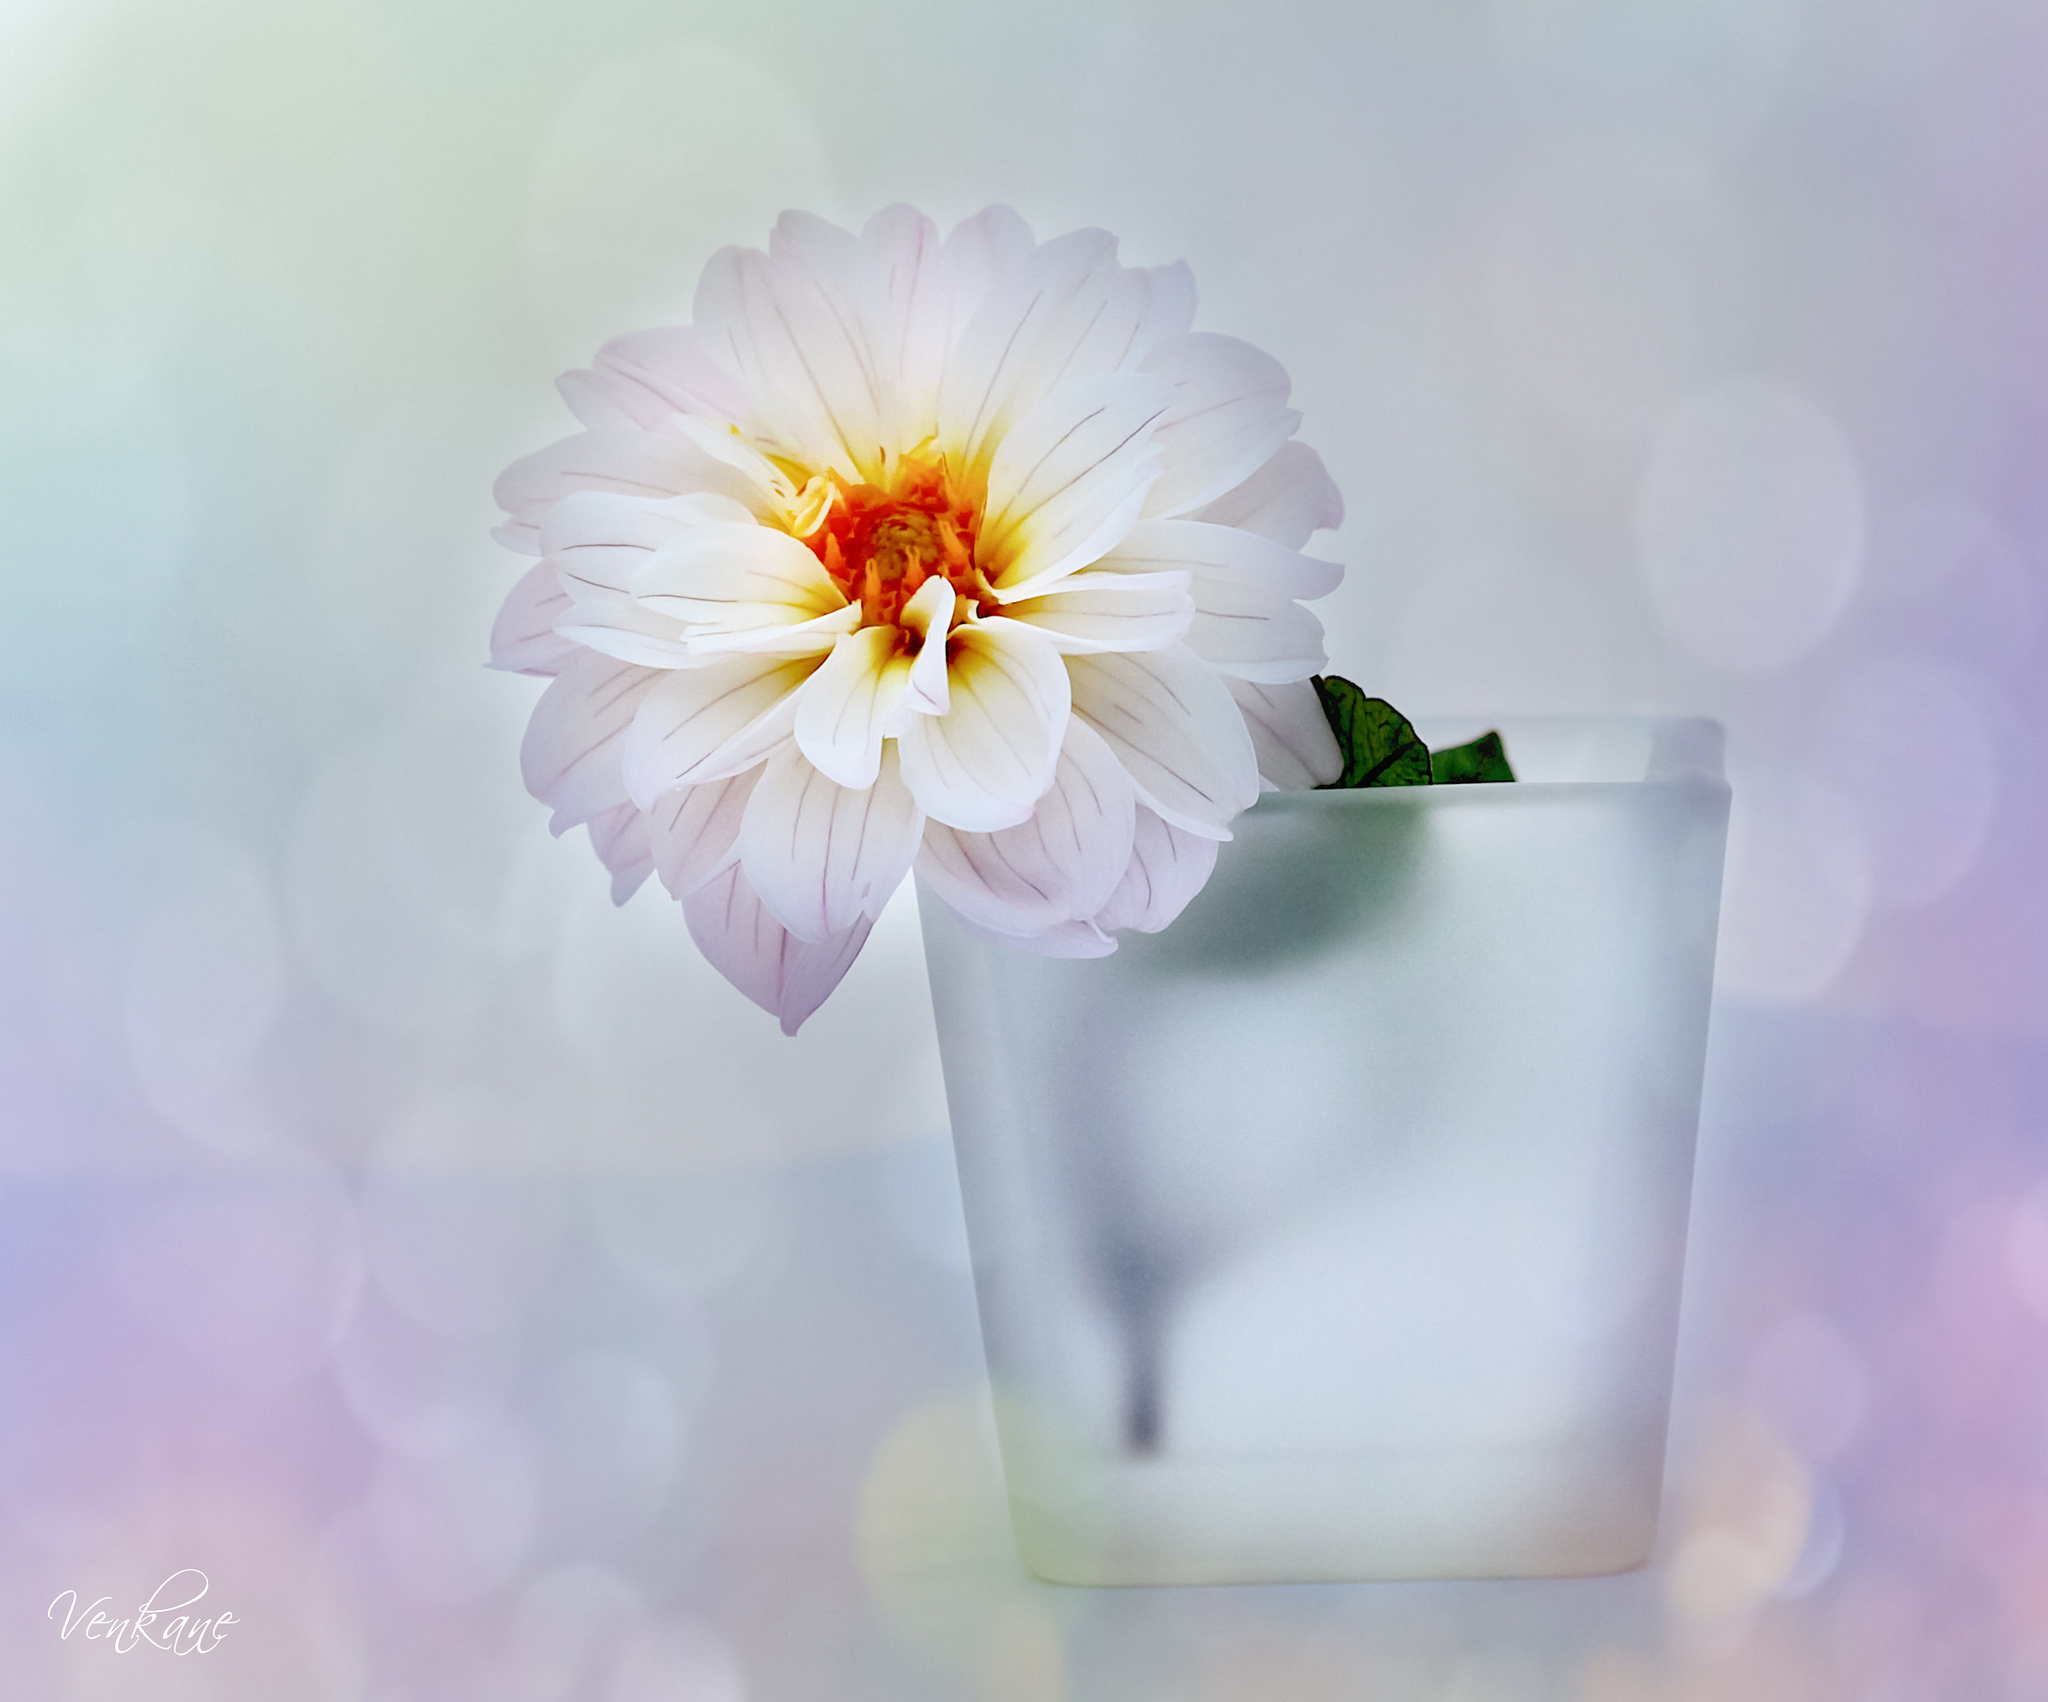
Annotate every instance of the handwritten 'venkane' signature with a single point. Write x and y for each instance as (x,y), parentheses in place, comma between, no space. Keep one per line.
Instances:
(182,1635)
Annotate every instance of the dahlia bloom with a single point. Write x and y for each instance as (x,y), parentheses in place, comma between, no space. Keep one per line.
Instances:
(966,556)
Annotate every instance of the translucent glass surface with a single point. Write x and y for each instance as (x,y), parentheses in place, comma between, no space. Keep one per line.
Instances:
(1336,1231)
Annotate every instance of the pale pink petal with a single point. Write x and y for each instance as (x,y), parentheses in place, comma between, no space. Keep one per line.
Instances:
(620,838)
(1061,864)
(1177,730)
(1168,867)
(1069,481)
(846,704)
(743,942)
(629,631)
(625,463)
(702,724)
(572,758)
(1254,634)
(1288,497)
(989,758)
(599,541)
(1061,939)
(523,638)
(1290,734)
(693,830)
(1211,552)
(822,855)
(1090,611)
(1229,415)
(645,378)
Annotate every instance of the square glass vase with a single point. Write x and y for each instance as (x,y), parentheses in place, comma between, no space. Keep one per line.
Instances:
(1336,1231)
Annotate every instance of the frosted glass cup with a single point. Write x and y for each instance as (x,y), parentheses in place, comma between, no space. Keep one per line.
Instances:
(1336,1231)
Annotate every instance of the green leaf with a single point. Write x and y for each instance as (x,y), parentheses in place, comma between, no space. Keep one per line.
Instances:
(1380,747)
(1484,759)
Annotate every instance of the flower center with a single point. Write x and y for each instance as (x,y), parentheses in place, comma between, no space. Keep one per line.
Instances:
(880,543)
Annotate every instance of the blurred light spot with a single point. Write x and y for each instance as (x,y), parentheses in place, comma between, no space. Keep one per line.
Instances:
(919,1188)
(1953,572)
(456,1253)
(1907,746)
(676,1660)
(613,1429)
(1796,895)
(399,872)
(567,1627)
(1810,1380)
(1606,288)
(652,163)
(456,1519)
(1026,1659)
(694,1073)
(687,1236)
(406,1385)
(1826,1532)
(2027,1250)
(1750,1507)
(205,980)
(1750,525)
(256,1275)
(1690,77)
(936,1549)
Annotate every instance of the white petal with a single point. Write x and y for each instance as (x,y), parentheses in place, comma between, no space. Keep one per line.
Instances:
(1290,734)
(1061,864)
(692,831)
(913,346)
(731,578)
(701,724)
(600,540)
(1254,634)
(645,378)
(799,327)
(1090,611)
(822,855)
(1168,867)
(745,944)
(995,372)
(988,759)
(813,637)
(523,637)
(629,631)
(1212,552)
(846,704)
(929,614)
(572,758)
(1174,726)
(990,245)
(623,462)
(1068,482)
(1290,496)
(620,838)
(1229,415)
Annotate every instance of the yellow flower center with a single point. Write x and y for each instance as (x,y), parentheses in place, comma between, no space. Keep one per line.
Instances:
(881,542)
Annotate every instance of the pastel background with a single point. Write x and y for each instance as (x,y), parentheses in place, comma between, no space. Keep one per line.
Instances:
(492,1302)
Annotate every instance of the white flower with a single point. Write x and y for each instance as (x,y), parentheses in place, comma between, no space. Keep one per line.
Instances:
(967,556)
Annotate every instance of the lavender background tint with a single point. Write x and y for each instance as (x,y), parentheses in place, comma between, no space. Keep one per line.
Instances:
(493,1303)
